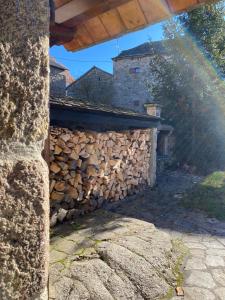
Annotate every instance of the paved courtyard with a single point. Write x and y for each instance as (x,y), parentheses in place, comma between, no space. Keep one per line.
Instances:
(128,226)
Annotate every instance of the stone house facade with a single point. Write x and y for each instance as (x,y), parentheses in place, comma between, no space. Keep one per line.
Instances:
(60,78)
(130,83)
(132,76)
(94,86)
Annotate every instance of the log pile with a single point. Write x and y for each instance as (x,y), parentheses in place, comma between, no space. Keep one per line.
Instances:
(88,168)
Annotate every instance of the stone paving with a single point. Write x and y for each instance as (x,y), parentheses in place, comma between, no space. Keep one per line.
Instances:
(204,266)
(111,256)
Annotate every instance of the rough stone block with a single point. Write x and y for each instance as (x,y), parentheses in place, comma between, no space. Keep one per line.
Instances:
(24,70)
(24,223)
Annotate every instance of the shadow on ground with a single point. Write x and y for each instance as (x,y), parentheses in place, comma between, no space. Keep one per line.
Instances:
(163,206)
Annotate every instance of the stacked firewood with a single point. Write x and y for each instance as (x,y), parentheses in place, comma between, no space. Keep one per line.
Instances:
(88,168)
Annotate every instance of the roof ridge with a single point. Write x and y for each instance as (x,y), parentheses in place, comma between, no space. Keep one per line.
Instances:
(81,104)
(146,48)
(54,63)
(86,73)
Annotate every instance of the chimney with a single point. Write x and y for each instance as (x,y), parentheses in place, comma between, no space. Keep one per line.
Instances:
(153,109)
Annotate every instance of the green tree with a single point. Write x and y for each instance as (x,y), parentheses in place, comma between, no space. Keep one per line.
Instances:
(188,83)
(207,26)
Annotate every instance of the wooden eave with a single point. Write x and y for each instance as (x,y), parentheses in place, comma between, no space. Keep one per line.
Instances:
(79,24)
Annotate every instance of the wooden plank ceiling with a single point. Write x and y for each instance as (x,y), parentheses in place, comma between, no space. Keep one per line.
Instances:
(78,24)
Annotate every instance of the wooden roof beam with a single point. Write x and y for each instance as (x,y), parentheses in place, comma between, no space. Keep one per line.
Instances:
(72,9)
(60,34)
(83,23)
(77,11)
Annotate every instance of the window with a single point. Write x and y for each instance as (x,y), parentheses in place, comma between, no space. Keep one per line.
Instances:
(136,103)
(134,70)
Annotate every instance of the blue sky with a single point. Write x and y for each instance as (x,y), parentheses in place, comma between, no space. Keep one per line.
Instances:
(100,55)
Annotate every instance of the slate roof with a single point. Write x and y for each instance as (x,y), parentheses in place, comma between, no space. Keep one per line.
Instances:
(79,115)
(55,64)
(146,49)
(88,72)
(78,105)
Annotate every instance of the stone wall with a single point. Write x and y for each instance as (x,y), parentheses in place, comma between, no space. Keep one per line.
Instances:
(88,168)
(130,84)
(95,86)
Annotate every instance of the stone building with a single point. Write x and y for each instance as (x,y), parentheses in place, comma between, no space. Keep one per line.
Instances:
(60,78)
(132,76)
(94,86)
